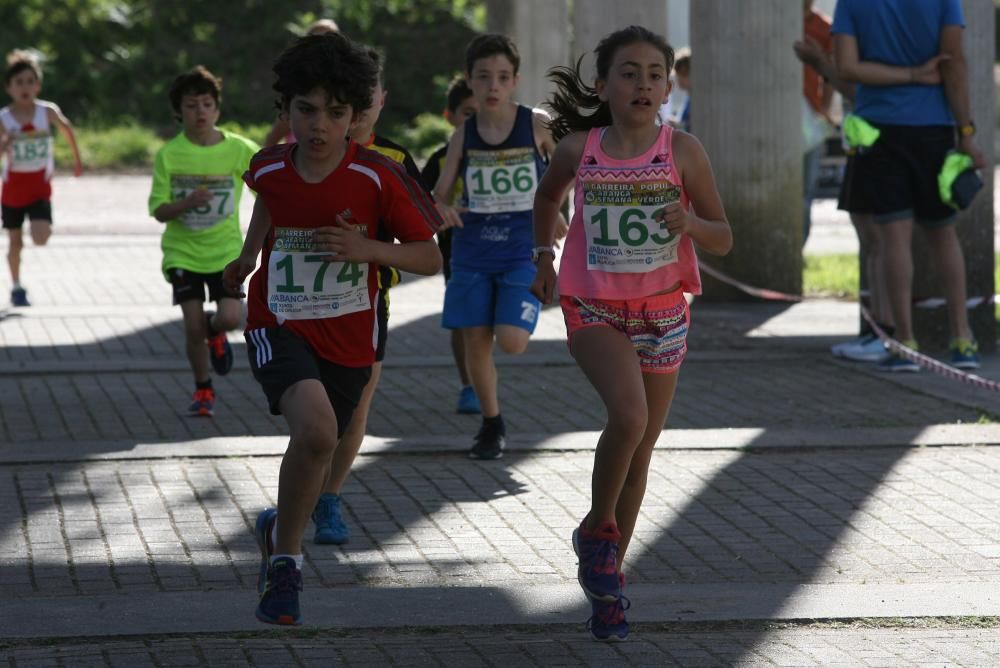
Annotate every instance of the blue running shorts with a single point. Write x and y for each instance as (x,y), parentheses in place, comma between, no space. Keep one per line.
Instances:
(487,299)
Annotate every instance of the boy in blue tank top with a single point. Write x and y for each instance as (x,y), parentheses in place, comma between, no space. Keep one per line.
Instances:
(500,154)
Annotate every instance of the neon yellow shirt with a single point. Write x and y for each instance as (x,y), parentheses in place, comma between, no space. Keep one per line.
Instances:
(207,238)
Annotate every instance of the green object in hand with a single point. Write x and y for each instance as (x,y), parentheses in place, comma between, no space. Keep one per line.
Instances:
(858,132)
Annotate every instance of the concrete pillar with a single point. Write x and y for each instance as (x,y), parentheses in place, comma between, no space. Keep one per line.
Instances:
(975,225)
(746,89)
(541,31)
(595,19)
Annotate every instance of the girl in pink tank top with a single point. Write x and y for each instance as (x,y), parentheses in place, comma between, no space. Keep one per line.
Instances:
(644,196)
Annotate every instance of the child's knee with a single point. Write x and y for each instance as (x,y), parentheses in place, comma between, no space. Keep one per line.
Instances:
(512,340)
(226,321)
(629,421)
(40,234)
(316,440)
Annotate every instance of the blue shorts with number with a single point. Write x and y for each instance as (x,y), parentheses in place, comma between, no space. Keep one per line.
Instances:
(487,299)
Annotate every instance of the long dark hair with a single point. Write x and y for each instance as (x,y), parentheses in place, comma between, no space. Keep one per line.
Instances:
(573,96)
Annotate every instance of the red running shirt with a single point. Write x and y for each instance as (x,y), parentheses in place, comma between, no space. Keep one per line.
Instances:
(331,305)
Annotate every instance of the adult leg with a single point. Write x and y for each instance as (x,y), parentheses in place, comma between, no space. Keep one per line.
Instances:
(610,363)
(947,253)
(895,239)
(195,332)
(659,389)
(868,237)
(312,424)
(351,439)
(482,371)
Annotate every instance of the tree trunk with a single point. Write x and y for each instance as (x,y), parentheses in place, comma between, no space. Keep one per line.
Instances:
(541,32)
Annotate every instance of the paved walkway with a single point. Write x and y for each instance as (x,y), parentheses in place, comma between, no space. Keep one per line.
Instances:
(800,510)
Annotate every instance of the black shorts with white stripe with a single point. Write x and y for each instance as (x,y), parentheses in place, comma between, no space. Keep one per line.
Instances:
(279,359)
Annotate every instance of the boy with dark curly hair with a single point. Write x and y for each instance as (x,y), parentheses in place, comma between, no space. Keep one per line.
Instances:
(324,206)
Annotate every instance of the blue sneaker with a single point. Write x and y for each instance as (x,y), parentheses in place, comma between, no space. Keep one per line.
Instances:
(262,532)
(598,554)
(279,604)
(607,623)
(468,402)
(330,527)
(19,297)
(964,354)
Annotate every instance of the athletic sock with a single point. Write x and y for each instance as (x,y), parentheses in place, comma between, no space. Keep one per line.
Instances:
(888,329)
(208,325)
(207,385)
(297,558)
(495,423)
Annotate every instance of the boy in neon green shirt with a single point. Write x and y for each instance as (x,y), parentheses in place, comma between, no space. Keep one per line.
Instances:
(197,184)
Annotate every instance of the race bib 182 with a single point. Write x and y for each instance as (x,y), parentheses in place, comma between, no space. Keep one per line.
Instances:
(621,226)
(31,152)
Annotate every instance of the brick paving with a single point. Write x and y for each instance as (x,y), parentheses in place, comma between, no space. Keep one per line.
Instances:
(96,367)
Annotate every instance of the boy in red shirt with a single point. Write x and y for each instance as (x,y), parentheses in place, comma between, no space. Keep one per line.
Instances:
(311,326)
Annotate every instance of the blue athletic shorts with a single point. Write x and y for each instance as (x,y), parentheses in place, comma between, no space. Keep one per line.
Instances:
(487,299)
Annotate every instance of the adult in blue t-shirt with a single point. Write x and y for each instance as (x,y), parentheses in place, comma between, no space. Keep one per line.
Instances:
(906,57)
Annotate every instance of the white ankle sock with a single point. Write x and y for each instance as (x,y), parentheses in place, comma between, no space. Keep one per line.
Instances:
(297,558)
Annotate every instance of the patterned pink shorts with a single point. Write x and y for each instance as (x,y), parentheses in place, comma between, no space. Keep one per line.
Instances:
(656,325)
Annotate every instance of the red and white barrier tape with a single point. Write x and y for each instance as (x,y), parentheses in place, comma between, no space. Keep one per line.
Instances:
(762,293)
(926,362)
(892,344)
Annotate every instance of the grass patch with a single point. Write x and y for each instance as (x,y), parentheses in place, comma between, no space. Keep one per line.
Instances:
(831,276)
(118,147)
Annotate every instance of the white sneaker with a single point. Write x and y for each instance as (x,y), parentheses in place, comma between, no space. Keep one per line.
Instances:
(838,349)
(870,350)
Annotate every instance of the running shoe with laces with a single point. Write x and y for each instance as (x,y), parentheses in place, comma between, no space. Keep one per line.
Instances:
(607,622)
(468,402)
(894,363)
(330,526)
(279,604)
(838,349)
(19,297)
(597,552)
(489,442)
(220,352)
(870,349)
(203,404)
(964,353)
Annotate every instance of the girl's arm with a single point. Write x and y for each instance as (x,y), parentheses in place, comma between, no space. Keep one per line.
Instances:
(446,180)
(548,198)
(705,222)
(236,271)
(852,69)
(56,117)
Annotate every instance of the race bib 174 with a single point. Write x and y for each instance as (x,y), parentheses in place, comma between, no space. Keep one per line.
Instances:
(304,284)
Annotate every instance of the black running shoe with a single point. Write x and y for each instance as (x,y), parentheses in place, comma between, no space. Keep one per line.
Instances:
(489,443)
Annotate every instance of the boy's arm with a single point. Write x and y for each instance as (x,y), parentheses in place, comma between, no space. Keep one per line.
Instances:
(236,271)
(347,244)
(57,118)
(174,209)
(546,216)
(540,120)
(161,206)
(811,53)
(705,221)
(446,180)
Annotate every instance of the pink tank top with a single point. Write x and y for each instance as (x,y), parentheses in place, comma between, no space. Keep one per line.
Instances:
(615,249)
